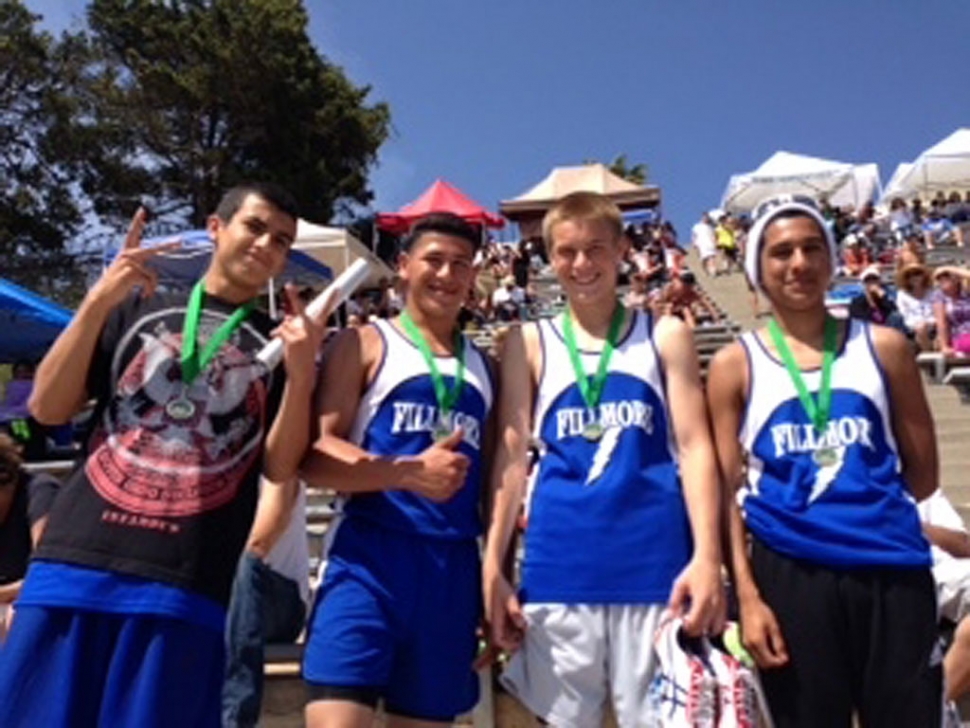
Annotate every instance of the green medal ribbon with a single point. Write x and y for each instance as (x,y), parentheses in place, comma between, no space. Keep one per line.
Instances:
(446,397)
(591,387)
(192,362)
(818,412)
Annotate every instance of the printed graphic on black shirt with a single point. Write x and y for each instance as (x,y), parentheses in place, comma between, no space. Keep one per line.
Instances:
(154,459)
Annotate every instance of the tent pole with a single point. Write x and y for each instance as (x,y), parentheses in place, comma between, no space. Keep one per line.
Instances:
(373,238)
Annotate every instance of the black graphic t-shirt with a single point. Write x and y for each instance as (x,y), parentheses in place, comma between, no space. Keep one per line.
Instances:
(168,492)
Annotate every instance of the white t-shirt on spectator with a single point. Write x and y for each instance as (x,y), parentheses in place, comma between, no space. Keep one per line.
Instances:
(938,511)
(952,575)
(503,295)
(291,554)
(702,235)
(914,310)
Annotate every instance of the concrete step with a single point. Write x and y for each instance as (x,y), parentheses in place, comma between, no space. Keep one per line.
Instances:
(954,453)
(947,420)
(954,479)
(956,434)
(945,404)
(958,493)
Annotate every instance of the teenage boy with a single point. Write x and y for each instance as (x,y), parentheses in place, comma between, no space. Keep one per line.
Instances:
(402,420)
(122,613)
(623,515)
(836,597)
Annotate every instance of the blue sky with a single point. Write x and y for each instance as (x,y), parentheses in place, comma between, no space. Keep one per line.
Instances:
(491,95)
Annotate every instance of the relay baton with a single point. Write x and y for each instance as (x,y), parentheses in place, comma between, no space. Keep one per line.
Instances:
(327,300)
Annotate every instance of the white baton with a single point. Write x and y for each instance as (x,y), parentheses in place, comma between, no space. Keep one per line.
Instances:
(327,300)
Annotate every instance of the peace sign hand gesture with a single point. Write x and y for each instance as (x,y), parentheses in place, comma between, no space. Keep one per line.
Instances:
(129,270)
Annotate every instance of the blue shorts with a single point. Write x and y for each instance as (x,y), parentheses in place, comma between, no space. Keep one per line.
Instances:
(60,667)
(395,617)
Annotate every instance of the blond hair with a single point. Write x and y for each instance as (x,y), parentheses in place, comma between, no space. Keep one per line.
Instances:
(583,207)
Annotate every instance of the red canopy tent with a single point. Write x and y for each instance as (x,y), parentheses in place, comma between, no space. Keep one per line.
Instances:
(439,197)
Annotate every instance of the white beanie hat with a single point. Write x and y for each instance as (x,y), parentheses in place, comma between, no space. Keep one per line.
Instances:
(766,212)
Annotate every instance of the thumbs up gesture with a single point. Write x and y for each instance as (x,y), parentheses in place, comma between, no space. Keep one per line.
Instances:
(442,469)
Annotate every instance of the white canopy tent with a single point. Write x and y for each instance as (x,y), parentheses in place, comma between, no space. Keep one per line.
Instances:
(797,174)
(893,188)
(944,167)
(337,248)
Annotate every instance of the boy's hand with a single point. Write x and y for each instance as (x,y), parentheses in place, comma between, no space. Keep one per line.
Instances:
(698,596)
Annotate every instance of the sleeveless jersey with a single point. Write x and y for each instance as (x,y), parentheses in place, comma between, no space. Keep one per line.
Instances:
(854,512)
(607,520)
(397,415)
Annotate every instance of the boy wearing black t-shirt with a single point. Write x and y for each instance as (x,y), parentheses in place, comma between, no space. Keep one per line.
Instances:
(120,621)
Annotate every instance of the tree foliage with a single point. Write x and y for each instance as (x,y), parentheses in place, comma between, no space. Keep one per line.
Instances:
(38,207)
(637,173)
(181,99)
(167,103)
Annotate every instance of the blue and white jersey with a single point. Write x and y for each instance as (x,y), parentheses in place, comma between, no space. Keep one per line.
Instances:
(854,512)
(607,522)
(397,415)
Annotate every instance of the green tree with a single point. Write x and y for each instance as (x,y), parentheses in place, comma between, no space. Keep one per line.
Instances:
(637,174)
(180,99)
(38,209)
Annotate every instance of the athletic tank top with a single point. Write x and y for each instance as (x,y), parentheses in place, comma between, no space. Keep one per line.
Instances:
(397,415)
(607,521)
(853,512)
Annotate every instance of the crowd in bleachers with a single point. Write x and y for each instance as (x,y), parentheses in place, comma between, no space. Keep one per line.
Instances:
(509,277)
(902,262)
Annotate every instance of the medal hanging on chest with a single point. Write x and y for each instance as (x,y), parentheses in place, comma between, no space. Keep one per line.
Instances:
(193,363)
(593,431)
(818,410)
(591,387)
(446,397)
(181,409)
(826,457)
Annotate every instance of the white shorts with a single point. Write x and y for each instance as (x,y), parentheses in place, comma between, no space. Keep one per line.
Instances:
(576,657)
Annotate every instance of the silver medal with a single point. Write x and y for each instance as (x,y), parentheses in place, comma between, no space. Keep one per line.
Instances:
(182,408)
(593,431)
(441,431)
(825,457)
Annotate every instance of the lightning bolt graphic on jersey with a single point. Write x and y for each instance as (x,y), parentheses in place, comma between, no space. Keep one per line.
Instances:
(825,476)
(601,458)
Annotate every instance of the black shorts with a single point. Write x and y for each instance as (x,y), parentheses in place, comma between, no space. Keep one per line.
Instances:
(862,640)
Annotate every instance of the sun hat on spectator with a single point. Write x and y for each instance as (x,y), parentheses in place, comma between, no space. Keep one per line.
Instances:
(764,214)
(907,271)
(943,270)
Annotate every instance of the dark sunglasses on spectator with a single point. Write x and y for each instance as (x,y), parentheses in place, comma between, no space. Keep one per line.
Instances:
(773,203)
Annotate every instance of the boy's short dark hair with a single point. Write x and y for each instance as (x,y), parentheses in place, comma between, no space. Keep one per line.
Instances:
(445,223)
(273,193)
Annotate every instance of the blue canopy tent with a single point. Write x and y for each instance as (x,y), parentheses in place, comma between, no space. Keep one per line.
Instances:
(29,323)
(182,267)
